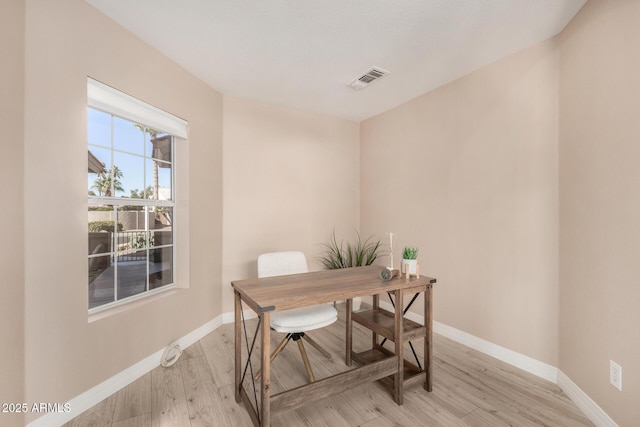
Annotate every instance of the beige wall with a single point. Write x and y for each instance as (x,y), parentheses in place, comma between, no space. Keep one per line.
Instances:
(11,190)
(600,202)
(468,173)
(290,177)
(481,152)
(65,354)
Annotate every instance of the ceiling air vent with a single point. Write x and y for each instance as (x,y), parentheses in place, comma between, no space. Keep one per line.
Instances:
(365,79)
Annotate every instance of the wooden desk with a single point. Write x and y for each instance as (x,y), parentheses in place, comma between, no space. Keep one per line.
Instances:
(269,294)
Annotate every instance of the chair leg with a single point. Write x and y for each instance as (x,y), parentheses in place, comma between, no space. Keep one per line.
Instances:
(280,347)
(305,359)
(317,346)
(303,352)
(277,351)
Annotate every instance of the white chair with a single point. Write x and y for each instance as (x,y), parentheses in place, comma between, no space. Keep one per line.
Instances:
(297,321)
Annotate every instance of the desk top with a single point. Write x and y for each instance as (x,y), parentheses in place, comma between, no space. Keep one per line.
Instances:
(299,290)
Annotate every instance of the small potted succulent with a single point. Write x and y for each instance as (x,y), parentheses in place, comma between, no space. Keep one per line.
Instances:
(410,260)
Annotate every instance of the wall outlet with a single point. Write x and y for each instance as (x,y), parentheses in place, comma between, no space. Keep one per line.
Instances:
(615,375)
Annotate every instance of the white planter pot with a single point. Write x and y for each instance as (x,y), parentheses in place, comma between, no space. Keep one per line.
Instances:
(356,304)
(411,264)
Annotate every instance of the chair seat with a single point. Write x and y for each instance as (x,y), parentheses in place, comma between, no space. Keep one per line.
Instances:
(303,319)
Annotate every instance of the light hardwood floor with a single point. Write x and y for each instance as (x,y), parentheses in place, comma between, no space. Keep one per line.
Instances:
(469,389)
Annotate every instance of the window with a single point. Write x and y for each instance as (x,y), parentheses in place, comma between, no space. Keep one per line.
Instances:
(131,197)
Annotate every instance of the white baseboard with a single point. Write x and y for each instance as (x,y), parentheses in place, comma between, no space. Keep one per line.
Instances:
(519,360)
(97,394)
(526,363)
(590,408)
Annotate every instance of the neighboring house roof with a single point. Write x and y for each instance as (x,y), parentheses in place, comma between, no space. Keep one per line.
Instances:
(95,165)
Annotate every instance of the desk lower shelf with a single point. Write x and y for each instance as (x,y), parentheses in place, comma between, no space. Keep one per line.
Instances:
(411,373)
(382,323)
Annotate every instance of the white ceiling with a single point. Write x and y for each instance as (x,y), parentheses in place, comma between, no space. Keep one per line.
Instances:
(302,53)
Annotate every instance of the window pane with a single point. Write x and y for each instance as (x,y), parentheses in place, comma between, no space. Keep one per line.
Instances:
(99,180)
(98,127)
(160,147)
(130,170)
(159,179)
(133,219)
(164,182)
(132,273)
(132,242)
(161,267)
(163,223)
(139,240)
(101,225)
(128,136)
(101,280)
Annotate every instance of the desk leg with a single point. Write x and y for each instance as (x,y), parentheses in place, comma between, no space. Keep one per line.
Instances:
(428,340)
(238,346)
(399,340)
(374,336)
(349,332)
(265,365)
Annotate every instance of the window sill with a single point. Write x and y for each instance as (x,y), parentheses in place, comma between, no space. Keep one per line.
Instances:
(132,304)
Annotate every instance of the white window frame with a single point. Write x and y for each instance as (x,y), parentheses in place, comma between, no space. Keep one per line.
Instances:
(111,101)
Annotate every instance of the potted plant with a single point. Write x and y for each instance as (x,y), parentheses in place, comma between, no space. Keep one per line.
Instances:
(410,260)
(357,254)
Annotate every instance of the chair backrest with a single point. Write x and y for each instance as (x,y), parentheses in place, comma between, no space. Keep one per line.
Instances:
(282,263)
